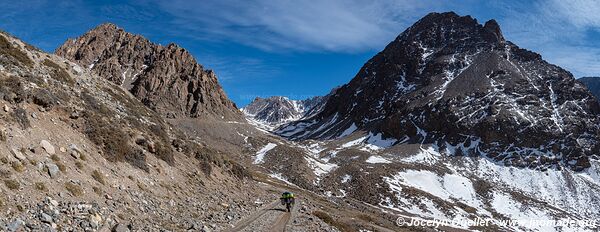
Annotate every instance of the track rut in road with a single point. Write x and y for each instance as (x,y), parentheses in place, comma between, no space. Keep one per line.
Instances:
(272,217)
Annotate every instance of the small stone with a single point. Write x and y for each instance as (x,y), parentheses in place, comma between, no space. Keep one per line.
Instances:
(54,202)
(74,115)
(77,69)
(108,197)
(6,108)
(15,225)
(33,115)
(17,154)
(95,220)
(44,217)
(52,170)
(120,228)
(62,149)
(48,147)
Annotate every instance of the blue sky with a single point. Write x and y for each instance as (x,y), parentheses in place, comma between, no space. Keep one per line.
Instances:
(304,48)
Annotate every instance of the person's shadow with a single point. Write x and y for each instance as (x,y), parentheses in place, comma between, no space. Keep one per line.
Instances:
(277,209)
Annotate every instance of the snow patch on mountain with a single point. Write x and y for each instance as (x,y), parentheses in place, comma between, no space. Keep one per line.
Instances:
(375,159)
(260,155)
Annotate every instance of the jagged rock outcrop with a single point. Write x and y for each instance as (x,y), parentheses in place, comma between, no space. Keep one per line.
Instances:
(459,85)
(166,78)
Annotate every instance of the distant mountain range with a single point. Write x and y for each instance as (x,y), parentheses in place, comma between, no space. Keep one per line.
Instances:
(268,113)
(593,84)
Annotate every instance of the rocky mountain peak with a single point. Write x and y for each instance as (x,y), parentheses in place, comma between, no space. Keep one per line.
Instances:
(454,83)
(166,78)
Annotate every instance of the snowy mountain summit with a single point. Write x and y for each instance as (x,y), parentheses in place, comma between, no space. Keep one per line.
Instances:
(460,86)
(268,113)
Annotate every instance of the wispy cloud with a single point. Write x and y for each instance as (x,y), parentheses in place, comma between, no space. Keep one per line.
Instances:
(562,31)
(327,25)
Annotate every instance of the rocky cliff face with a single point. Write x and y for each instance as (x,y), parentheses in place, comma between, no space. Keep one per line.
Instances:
(165,78)
(459,85)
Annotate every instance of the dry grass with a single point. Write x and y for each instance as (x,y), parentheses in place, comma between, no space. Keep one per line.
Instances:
(6,48)
(12,88)
(98,190)
(43,97)
(59,73)
(74,189)
(55,158)
(3,135)
(79,165)
(40,186)
(98,177)
(12,184)
(108,136)
(61,167)
(17,166)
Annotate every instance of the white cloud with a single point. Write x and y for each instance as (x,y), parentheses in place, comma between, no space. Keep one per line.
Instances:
(559,30)
(326,25)
(579,13)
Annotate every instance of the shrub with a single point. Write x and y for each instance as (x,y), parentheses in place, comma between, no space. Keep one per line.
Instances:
(137,158)
(43,97)
(20,115)
(79,165)
(61,166)
(12,184)
(239,171)
(5,173)
(74,189)
(98,177)
(41,186)
(97,190)
(55,158)
(12,89)
(17,166)
(3,135)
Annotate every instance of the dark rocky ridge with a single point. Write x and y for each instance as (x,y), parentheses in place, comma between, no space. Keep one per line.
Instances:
(460,86)
(165,78)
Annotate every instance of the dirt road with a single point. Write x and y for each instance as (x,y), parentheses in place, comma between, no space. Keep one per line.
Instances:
(272,217)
